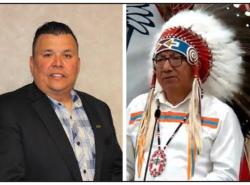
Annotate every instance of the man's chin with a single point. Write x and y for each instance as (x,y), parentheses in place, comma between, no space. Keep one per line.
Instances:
(60,89)
(170,87)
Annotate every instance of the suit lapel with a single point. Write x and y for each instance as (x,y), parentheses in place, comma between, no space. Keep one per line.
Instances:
(97,130)
(44,109)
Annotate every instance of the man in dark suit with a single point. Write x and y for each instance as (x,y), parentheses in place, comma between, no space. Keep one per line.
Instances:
(48,130)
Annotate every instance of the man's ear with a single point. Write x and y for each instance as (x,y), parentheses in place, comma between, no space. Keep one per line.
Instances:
(154,68)
(79,65)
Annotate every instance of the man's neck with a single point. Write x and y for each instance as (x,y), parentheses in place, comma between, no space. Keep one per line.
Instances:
(64,98)
(176,97)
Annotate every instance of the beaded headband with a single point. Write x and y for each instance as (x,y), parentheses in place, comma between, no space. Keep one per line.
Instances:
(189,44)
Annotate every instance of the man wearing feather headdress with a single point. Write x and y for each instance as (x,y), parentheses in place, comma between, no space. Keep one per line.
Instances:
(181,130)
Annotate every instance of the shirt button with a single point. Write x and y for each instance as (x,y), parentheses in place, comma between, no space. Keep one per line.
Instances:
(84,171)
(78,143)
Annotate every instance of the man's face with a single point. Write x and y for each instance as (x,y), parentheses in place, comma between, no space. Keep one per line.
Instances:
(55,64)
(175,75)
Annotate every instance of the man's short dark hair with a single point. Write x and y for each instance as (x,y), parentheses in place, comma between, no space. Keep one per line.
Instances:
(55,28)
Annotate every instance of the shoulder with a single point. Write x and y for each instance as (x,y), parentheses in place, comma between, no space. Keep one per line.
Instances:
(214,106)
(15,104)
(136,107)
(135,112)
(139,101)
(214,102)
(17,96)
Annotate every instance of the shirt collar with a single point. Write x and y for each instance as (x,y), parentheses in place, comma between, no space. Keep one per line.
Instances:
(75,99)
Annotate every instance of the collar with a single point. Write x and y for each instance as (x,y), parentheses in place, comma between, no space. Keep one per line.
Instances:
(74,97)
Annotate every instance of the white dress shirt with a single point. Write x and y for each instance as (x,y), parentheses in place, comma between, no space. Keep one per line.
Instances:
(222,141)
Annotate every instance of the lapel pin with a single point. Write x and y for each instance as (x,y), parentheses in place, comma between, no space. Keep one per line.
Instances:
(98,126)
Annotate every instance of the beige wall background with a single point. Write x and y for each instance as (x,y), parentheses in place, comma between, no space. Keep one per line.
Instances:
(98,28)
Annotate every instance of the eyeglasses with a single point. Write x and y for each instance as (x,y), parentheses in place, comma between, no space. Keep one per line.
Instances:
(174,61)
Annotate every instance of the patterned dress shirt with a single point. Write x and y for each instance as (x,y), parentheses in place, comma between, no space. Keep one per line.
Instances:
(80,134)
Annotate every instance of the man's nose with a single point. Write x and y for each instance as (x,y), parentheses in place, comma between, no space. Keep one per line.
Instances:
(167,66)
(57,62)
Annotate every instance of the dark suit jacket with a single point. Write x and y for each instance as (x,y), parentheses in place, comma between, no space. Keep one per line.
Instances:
(34,146)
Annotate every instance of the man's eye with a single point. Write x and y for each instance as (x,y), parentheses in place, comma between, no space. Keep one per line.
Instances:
(68,56)
(160,59)
(47,54)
